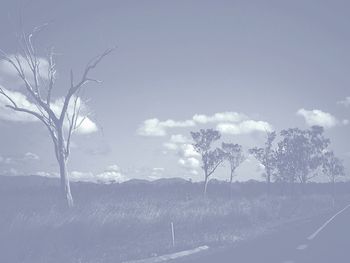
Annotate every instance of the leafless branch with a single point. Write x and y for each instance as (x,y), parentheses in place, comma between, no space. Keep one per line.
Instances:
(51,76)
(74,88)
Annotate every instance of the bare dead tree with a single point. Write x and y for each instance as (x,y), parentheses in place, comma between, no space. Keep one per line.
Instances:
(60,124)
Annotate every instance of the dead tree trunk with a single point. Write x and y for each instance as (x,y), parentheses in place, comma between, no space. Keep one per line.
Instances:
(62,158)
(65,184)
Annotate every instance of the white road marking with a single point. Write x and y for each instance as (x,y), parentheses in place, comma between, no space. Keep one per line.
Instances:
(302,247)
(170,256)
(289,261)
(311,237)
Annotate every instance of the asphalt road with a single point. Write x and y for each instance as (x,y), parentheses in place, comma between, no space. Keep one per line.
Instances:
(309,241)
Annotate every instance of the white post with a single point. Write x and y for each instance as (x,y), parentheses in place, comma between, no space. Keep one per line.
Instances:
(173,233)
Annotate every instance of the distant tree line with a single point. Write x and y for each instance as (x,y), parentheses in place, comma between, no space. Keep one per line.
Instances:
(297,157)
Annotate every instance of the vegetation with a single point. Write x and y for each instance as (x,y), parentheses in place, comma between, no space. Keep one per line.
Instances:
(266,156)
(299,156)
(211,159)
(117,222)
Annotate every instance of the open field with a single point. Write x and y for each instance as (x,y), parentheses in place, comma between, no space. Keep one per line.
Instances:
(113,223)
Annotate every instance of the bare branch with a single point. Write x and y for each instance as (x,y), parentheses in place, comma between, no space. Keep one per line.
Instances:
(3,54)
(93,62)
(72,122)
(74,88)
(37,115)
(94,80)
(51,76)
(41,117)
(17,65)
(8,97)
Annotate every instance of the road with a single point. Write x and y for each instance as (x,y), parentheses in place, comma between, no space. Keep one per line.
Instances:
(324,239)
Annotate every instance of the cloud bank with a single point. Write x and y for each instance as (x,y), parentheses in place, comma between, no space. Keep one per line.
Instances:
(226,122)
(155,127)
(87,125)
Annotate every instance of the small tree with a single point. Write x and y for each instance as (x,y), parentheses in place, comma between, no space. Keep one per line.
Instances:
(211,159)
(234,155)
(62,119)
(333,168)
(266,156)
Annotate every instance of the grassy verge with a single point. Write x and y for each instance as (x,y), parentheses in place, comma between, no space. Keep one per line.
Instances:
(114,224)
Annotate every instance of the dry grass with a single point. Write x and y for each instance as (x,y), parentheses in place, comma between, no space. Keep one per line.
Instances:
(112,226)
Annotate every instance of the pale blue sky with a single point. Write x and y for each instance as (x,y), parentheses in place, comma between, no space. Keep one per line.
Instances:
(175,59)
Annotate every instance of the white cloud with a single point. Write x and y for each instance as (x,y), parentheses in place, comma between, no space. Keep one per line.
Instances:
(113,167)
(22,101)
(19,159)
(188,157)
(170,146)
(176,140)
(46,174)
(87,125)
(187,150)
(193,172)
(156,173)
(229,122)
(179,138)
(244,127)
(318,117)
(155,127)
(6,160)
(77,176)
(158,169)
(345,102)
(177,124)
(9,74)
(182,145)
(191,163)
(110,175)
(152,127)
(12,171)
(31,156)
(220,117)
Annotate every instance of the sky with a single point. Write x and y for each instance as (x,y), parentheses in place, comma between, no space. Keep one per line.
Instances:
(242,67)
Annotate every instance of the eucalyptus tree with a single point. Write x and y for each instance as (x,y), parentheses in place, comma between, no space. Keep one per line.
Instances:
(333,168)
(233,153)
(211,159)
(300,154)
(267,157)
(61,117)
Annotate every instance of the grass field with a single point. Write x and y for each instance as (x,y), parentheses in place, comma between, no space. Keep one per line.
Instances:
(114,223)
